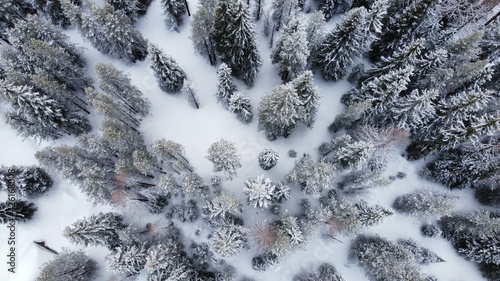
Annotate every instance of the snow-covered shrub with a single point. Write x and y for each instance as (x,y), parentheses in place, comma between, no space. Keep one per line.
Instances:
(430,230)
(325,272)
(191,183)
(258,263)
(268,158)
(228,241)
(281,192)
(240,105)
(259,191)
(215,180)
(68,265)
(292,153)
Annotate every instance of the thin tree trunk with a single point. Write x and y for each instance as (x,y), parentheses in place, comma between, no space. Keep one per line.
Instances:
(187,8)
(259,8)
(208,53)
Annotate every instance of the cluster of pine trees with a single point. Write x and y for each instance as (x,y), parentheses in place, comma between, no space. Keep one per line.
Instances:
(425,79)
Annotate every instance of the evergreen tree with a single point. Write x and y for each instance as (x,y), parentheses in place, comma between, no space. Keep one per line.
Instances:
(168,73)
(341,45)
(291,51)
(224,157)
(69,266)
(110,31)
(325,272)
(26,181)
(97,230)
(309,95)
(190,93)
(174,10)
(202,28)
(414,110)
(129,259)
(402,27)
(165,262)
(425,203)
(360,181)
(422,255)
(312,176)
(240,104)
(39,116)
(282,12)
(345,152)
(224,209)
(259,191)
(268,158)
(482,249)
(93,173)
(374,25)
(13,11)
(315,31)
(371,215)
(279,111)
(53,11)
(235,40)
(352,114)
(228,241)
(16,210)
(225,85)
(131,8)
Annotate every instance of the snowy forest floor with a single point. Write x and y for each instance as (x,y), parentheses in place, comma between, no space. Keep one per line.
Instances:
(174,119)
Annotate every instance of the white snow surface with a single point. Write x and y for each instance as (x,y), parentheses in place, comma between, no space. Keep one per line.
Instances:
(174,119)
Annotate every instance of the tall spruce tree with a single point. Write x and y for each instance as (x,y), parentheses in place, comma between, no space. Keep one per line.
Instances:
(174,11)
(309,96)
(341,45)
(96,230)
(225,158)
(168,73)
(225,85)
(53,11)
(291,51)
(69,266)
(202,28)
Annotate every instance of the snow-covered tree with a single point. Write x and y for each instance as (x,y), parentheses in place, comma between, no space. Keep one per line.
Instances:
(13,11)
(422,255)
(128,259)
(312,176)
(96,230)
(165,262)
(201,33)
(360,181)
(16,211)
(240,104)
(282,12)
(190,93)
(279,111)
(174,11)
(281,192)
(341,45)
(425,203)
(374,25)
(109,30)
(382,259)
(25,181)
(191,183)
(291,51)
(228,241)
(224,157)
(53,11)
(235,40)
(345,152)
(268,158)
(223,209)
(309,96)
(259,191)
(482,249)
(315,31)
(225,85)
(131,8)
(69,266)
(415,109)
(168,73)
(371,215)
(172,154)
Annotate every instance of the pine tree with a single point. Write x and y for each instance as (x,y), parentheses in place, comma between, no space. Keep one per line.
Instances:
(282,12)
(371,215)
(202,28)
(309,95)
(129,259)
(352,114)
(259,191)
(325,272)
(279,111)
(312,176)
(425,203)
(109,30)
(360,181)
(415,110)
(25,181)
(16,210)
(422,255)
(224,157)
(345,152)
(235,40)
(228,241)
(291,51)
(240,104)
(341,45)
(224,209)
(482,249)
(189,92)
(69,266)
(225,85)
(174,10)
(93,173)
(13,11)
(53,11)
(131,8)
(168,73)
(374,25)
(39,116)
(268,158)
(96,230)
(315,31)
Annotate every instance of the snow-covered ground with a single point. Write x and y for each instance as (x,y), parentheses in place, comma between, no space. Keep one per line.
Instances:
(173,118)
